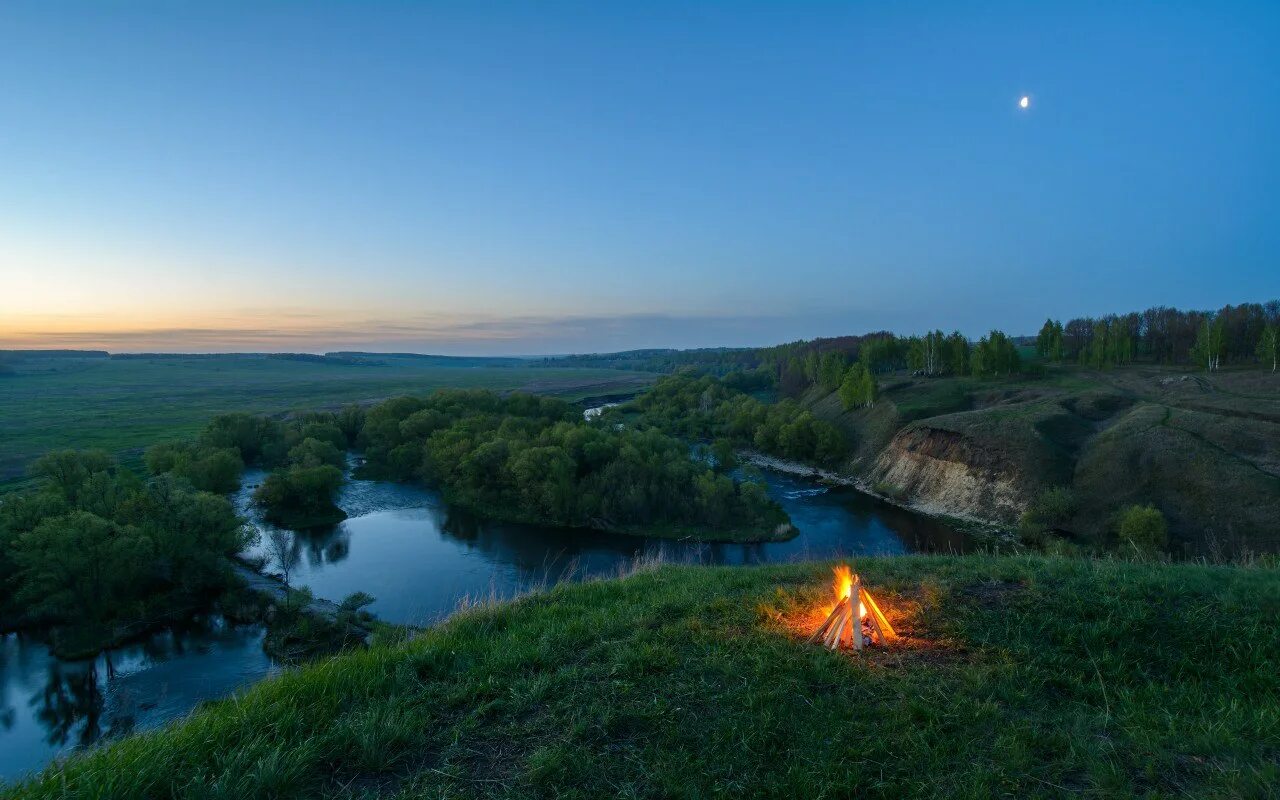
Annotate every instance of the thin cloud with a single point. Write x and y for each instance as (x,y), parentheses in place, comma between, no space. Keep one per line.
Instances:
(526,335)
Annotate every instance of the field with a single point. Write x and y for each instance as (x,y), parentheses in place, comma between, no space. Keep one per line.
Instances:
(124,405)
(1016,677)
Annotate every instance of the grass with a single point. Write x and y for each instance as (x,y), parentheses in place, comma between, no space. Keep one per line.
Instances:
(1019,677)
(1204,449)
(124,405)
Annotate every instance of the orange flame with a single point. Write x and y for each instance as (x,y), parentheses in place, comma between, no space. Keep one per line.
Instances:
(843,583)
(843,586)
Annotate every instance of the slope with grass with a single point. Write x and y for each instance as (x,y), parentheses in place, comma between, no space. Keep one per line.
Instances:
(1015,677)
(1204,449)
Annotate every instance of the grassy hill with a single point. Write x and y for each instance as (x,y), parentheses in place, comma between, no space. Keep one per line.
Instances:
(1204,449)
(1018,677)
(86,399)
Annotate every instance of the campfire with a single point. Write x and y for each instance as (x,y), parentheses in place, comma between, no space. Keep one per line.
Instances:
(869,621)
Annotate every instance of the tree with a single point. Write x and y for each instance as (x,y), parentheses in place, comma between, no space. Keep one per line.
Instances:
(68,470)
(300,496)
(208,469)
(1044,339)
(858,389)
(280,551)
(315,453)
(1269,346)
(831,371)
(80,566)
(933,343)
(1208,347)
(722,452)
(958,353)
(925,353)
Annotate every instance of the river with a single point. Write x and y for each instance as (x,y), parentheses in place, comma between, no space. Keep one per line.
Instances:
(418,557)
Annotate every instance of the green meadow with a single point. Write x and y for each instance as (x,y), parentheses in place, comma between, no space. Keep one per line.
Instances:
(125,405)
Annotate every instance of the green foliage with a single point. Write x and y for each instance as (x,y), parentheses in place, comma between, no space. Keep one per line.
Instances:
(206,468)
(995,354)
(883,353)
(80,566)
(859,388)
(312,452)
(724,454)
(534,459)
(927,354)
(957,354)
(1054,506)
(831,371)
(66,471)
(1109,342)
(1143,528)
(705,408)
(300,496)
(1051,509)
(1210,344)
(1049,342)
(260,441)
(95,547)
(1269,347)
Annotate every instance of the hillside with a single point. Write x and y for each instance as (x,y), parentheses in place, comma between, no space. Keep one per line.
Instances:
(1203,448)
(1016,677)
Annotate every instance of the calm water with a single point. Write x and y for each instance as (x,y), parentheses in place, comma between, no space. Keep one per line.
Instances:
(49,706)
(418,557)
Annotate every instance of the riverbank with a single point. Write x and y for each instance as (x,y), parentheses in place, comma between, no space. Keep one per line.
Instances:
(984,531)
(1023,676)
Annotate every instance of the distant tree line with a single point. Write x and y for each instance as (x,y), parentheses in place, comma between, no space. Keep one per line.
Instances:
(712,360)
(1243,334)
(851,367)
(340,360)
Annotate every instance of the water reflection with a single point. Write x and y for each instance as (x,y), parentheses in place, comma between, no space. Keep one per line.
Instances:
(49,706)
(418,556)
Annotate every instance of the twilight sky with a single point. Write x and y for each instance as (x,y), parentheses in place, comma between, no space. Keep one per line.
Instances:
(545,177)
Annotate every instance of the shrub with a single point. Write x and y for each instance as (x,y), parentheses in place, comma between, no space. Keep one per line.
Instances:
(1143,528)
(1051,509)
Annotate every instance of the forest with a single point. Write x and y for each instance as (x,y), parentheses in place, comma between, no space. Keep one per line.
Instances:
(96,553)
(534,459)
(710,410)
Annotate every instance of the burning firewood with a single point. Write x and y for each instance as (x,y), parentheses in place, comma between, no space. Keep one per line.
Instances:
(868,622)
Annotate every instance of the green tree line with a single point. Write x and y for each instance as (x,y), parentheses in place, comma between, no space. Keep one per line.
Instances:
(1237,334)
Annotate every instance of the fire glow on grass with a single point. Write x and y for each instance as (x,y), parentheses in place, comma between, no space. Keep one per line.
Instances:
(870,621)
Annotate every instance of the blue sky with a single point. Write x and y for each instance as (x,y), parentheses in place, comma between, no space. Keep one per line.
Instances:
(546,177)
